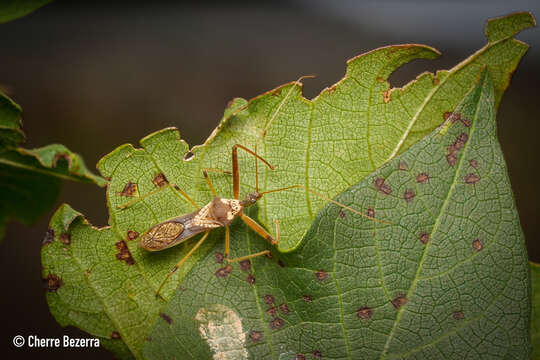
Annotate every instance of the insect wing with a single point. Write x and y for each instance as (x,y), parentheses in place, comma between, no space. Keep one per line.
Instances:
(169,233)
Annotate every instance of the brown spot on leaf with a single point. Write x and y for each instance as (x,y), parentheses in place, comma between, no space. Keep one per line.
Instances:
(284,309)
(422,178)
(123,253)
(365,312)
(382,187)
(276,323)
(471,179)
(280,263)
(409,195)
(458,315)
(321,275)
(49,237)
(256,336)
(115,335)
(224,271)
(423,237)
(435,81)
(317,354)
(403,166)
(332,88)
(453,116)
(250,279)
(380,79)
(477,245)
(130,189)
(276,92)
(189,156)
(269,255)
(65,238)
(466,122)
(446,115)
(160,180)
(219,257)
(132,235)
(52,282)
(451,158)
(272,311)
(473,163)
(341,213)
(386,95)
(307,298)
(300,356)
(245,265)
(461,140)
(268,299)
(370,212)
(399,301)
(166,317)
(148,338)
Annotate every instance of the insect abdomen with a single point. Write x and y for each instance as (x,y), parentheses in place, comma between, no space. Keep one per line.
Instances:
(162,236)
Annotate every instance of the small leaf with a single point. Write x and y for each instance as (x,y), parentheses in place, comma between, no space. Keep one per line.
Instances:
(448,277)
(14,9)
(30,178)
(535,315)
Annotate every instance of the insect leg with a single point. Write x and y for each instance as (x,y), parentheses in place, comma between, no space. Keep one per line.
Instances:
(258,228)
(209,182)
(236,174)
(227,236)
(140,198)
(181,262)
(242,258)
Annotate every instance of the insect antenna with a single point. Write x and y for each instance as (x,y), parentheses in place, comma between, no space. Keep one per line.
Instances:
(327,199)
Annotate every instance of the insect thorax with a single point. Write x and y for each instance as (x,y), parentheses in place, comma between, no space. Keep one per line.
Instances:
(223,210)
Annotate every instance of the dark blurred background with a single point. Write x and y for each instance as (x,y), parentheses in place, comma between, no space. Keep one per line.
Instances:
(93,76)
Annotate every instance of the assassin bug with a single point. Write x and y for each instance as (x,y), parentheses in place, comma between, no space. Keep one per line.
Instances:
(219,212)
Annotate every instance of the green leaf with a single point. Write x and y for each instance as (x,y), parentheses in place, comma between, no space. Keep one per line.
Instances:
(30,178)
(535,315)
(447,278)
(328,144)
(14,9)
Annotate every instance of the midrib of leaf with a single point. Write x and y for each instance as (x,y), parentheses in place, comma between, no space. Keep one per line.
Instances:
(38,170)
(437,88)
(434,231)
(119,328)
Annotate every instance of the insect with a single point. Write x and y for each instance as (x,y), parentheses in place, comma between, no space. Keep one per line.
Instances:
(219,212)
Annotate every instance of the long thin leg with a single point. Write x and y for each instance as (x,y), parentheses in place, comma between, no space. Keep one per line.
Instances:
(258,229)
(209,182)
(181,262)
(140,198)
(236,174)
(227,235)
(327,199)
(242,258)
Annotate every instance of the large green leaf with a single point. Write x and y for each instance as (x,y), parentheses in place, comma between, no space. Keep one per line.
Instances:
(328,144)
(30,178)
(447,279)
(535,314)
